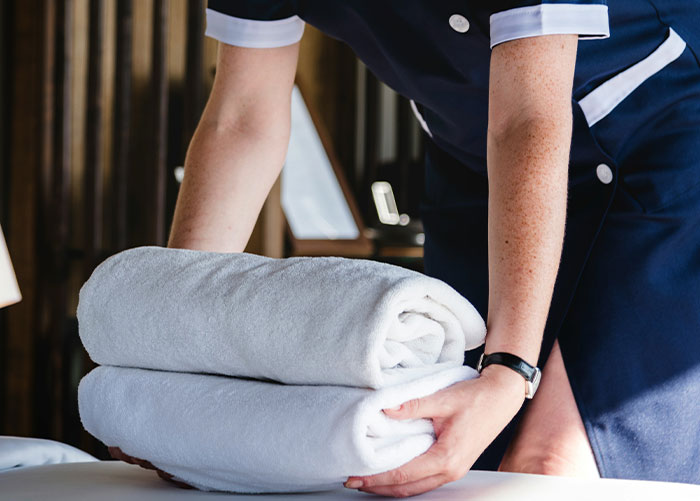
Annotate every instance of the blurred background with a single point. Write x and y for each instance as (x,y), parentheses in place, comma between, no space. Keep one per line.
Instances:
(99,100)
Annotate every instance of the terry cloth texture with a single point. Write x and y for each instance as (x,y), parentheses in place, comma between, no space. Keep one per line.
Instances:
(231,434)
(328,321)
(242,373)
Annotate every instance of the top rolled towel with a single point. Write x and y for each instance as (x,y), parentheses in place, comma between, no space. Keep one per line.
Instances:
(305,320)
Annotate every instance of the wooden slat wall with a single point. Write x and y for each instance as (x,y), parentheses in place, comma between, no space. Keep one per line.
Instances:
(53,233)
(121,118)
(25,135)
(94,164)
(4,175)
(159,96)
(86,171)
(105,96)
(194,71)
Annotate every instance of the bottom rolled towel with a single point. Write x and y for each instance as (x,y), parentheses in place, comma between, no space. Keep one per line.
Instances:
(248,436)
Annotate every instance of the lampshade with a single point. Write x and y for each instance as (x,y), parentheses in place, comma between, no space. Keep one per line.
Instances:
(9,290)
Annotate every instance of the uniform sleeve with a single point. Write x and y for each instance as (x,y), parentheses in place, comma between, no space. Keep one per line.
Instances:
(512,19)
(254,23)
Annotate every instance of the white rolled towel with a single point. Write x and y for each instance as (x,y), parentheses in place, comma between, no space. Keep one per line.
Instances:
(231,434)
(328,321)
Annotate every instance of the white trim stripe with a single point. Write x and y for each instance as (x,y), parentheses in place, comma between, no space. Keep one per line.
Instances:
(588,21)
(251,33)
(420,118)
(604,98)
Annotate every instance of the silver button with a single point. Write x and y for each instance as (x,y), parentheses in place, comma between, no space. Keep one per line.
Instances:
(604,173)
(459,23)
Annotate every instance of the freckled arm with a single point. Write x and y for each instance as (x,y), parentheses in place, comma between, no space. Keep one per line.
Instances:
(529,137)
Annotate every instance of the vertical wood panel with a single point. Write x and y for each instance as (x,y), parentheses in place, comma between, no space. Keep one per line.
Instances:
(142,140)
(92,210)
(109,80)
(79,53)
(5,13)
(31,27)
(55,231)
(122,123)
(194,76)
(88,131)
(94,144)
(177,41)
(160,111)
(5,62)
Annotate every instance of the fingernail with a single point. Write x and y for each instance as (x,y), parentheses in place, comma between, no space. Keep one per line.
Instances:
(353,484)
(397,408)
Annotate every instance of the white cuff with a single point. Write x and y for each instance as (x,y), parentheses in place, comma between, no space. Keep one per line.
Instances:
(252,33)
(588,21)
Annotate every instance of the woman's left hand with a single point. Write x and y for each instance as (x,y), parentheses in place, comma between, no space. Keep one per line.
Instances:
(117,453)
(467,417)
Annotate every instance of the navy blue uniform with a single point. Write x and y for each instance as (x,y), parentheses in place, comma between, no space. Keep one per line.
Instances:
(626,305)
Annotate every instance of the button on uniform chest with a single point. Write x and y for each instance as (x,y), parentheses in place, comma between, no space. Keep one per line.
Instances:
(459,23)
(604,173)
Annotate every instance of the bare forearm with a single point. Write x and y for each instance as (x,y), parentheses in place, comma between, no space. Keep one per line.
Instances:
(238,149)
(527,208)
(228,176)
(529,137)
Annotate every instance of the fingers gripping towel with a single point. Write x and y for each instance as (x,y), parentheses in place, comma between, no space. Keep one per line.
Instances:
(241,435)
(329,321)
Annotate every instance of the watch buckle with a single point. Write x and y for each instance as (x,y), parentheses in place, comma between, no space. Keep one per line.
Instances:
(531,386)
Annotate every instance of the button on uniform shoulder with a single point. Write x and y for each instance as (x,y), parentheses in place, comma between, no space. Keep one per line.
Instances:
(459,23)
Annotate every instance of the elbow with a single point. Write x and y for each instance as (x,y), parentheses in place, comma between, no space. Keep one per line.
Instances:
(531,147)
(541,124)
(251,126)
(240,117)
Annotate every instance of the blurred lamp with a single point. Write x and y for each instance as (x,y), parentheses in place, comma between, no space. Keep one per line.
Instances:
(9,290)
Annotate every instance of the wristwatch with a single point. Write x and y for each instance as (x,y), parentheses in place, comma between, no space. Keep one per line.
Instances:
(531,374)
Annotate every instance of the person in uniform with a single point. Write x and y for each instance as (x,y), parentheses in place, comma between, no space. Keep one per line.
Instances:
(562,198)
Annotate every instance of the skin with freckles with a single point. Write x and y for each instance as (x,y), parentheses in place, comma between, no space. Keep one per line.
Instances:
(239,148)
(528,141)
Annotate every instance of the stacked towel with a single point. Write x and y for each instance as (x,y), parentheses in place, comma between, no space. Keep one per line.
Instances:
(297,321)
(240,435)
(346,338)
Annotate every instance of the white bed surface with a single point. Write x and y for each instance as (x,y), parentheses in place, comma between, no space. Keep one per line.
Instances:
(113,480)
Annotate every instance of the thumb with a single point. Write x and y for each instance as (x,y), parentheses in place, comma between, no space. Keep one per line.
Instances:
(426,407)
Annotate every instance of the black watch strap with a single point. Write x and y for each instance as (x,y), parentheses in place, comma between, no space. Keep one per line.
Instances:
(531,374)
